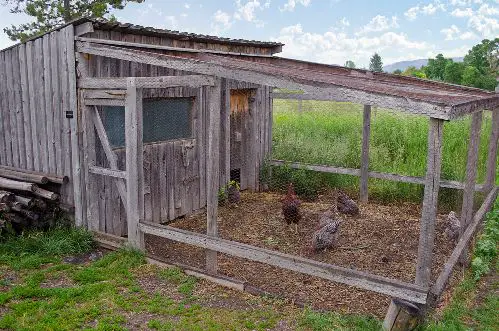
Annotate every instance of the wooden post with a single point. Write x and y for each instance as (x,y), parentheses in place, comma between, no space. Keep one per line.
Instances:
(430,201)
(225,134)
(134,163)
(471,172)
(490,180)
(364,163)
(401,316)
(212,171)
(89,159)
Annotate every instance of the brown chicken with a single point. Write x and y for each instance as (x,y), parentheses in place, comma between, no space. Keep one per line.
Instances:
(346,206)
(291,207)
(453,227)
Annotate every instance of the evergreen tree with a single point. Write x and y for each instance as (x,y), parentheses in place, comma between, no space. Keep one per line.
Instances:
(397,72)
(49,14)
(350,64)
(376,63)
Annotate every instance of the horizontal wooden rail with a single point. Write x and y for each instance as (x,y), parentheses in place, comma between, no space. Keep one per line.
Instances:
(372,174)
(105,102)
(147,82)
(443,278)
(107,172)
(105,94)
(298,96)
(334,273)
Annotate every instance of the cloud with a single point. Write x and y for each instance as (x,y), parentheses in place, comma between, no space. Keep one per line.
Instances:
(487,10)
(221,21)
(379,23)
(450,32)
(465,2)
(458,12)
(187,6)
(291,4)
(337,46)
(246,12)
(429,9)
(487,27)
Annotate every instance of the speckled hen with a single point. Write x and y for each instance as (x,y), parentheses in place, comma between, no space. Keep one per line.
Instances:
(346,206)
(453,227)
(327,234)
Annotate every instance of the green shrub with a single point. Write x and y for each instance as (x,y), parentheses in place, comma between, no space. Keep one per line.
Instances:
(486,246)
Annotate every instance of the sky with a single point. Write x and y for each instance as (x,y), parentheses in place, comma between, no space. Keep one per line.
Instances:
(327,31)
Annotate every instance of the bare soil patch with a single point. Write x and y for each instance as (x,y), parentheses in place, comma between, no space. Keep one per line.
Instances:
(383,240)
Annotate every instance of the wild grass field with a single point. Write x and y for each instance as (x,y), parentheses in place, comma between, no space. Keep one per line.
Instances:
(330,133)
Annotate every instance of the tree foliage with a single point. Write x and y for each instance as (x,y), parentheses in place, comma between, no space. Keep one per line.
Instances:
(453,72)
(376,63)
(350,64)
(412,71)
(436,67)
(48,14)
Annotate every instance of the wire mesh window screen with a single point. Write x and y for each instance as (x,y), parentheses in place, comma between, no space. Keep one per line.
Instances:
(163,119)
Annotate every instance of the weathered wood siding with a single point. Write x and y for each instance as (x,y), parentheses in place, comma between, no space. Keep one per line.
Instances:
(34,97)
(175,171)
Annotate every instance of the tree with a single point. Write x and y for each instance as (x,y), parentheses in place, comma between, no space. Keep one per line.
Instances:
(397,72)
(350,64)
(471,76)
(49,14)
(412,71)
(484,57)
(376,63)
(453,72)
(435,69)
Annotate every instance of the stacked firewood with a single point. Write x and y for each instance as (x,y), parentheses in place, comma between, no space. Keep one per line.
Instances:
(28,199)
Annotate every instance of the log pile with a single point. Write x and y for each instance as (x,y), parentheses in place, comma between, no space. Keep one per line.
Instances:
(28,199)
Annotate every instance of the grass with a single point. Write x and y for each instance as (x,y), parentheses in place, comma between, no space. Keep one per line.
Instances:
(329,133)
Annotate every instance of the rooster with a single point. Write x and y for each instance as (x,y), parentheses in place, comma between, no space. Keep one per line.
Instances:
(291,207)
(326,236)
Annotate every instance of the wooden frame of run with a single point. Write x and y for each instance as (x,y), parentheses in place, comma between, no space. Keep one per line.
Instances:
(419,293)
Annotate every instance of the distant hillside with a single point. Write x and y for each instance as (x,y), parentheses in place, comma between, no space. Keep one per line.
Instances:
(402,65)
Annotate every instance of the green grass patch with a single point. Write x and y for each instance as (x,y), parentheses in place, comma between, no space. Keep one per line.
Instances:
(330,133)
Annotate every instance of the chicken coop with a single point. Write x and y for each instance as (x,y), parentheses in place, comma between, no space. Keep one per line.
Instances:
(151,124)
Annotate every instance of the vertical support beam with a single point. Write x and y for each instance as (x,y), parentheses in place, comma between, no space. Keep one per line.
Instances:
(213,171)
(471,172)
(364,162)
(225,134)
(134,163)
(430,201)
(252,145)
(490,179)
(89,159)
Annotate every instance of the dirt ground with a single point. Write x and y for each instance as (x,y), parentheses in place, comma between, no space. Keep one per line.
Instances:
(383,240)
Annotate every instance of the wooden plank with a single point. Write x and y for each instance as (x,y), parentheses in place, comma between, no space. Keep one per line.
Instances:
(105,94)
(9,66)
(104,102)
(25,105)
(202,144)
(19,120)
(490,180)
(163,188)
(41,121)
(134,163)
(243,72)
(360,279)
(430,201)
(364,161)
(212,171)
(147,183)
(30,70)
(107,172)
(55,63)
(155,180)
(5,141)
(464,240)
(471,173)
(148,82)
(170,179)
(110,155)
(225,134)
(49,104)
(318,168)
(83,28)
(166,48)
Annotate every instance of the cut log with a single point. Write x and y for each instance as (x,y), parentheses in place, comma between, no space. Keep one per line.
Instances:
(15,218)
(27,202)
(6,196)
(401,316)
(16,185)
(51,177)
(18,207)
(45,193)
(39,204)
(22,176)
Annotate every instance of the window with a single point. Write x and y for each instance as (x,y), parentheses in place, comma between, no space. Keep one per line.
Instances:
(164,119)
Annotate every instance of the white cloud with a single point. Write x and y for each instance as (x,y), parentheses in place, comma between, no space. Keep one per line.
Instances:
(429,9)
(468,36)
(221,21)
(379,23)
(450,32)
(343,22)
(246,11)
(487,10)
(458,12)
(291,4)
(187,6)
(465,2)
(487,27)
(337,46)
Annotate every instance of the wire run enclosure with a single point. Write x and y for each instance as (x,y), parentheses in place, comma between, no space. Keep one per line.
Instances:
(110,65)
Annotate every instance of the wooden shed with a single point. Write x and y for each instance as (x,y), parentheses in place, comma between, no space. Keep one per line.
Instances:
(150,124)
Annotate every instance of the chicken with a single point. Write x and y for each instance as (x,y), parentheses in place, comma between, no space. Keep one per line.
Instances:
(345,205)
(453,227)
(233,194)
(327,234)
(291,207)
